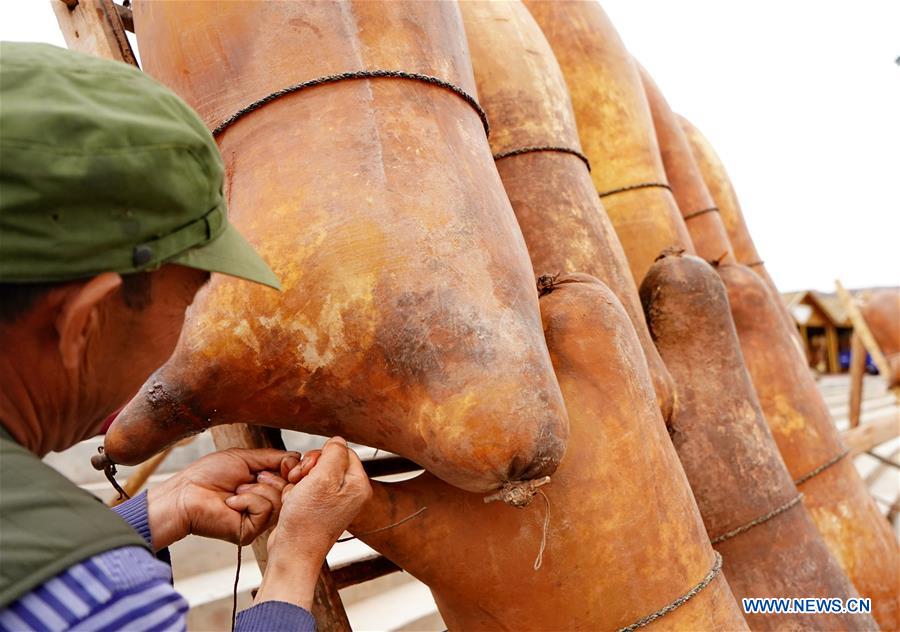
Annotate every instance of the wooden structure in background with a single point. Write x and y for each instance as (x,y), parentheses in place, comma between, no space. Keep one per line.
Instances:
(862,330)
(824,328)
(873,444)
(863,438)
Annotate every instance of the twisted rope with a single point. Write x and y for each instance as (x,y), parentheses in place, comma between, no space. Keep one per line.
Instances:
(380,529)
(539,560)
(237,573)
(358,74)
(520,494)
(101,461)
(706,581)
(528,150)
(632,187)
(821,468)
(711,209)
(758,521)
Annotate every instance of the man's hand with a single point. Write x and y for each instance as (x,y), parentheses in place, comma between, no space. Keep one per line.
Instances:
(226,495)
(325,492)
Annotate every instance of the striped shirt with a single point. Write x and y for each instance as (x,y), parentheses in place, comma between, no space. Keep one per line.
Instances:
(128,589)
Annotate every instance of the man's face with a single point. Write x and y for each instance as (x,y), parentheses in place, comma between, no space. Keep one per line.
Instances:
(136,336)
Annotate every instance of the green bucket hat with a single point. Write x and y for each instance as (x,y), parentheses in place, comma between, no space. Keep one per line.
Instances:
(104,169)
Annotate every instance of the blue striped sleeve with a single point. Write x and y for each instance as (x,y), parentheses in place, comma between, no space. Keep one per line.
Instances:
(134,512)
(118,589)
(137,609)
(49,601)
(12,622)
(275,616)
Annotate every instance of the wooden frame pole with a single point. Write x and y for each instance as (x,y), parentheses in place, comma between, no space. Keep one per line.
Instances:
(873,433)
(94,27)
(857,372)
(861,328)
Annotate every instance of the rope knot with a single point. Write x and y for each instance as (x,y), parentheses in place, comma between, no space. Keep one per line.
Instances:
(670,251)
(546,283)
(101,461)
(717,262)
(518,493)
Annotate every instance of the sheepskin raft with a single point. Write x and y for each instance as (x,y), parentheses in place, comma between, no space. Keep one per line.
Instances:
(725,200)
(538,154)
(834,494)
(624,539)
(793,406)
(752,510)
(409,318)
(616,129)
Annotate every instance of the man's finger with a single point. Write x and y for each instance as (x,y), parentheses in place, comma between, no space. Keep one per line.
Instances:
(355,467)
(271,479)
(304,467)
(269,493)
(258,459)
(332,463)
(259,513)
(356,476)
(252,504)
(288,464)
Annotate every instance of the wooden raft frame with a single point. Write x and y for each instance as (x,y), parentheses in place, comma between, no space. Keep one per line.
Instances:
(98,27)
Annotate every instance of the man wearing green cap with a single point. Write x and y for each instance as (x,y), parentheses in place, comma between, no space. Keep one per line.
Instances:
(112,217)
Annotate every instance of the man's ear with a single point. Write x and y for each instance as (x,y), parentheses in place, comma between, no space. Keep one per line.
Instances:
(78,312)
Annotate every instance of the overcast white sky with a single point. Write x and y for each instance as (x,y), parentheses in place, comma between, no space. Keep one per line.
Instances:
(801,100)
